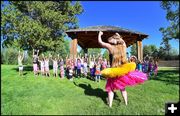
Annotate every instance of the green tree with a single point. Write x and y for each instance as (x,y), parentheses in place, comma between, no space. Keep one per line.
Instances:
(94,51)
(149,50)
(106,54)
(38,24)
(172,31)
(134,49)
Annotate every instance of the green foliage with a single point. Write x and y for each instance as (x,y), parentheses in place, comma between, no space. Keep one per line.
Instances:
(172,31)
(94,51)
(149,50)
(106,54)
(133,50)
(29,95)
(9,56)
(172,54)
(91,51)
(39,24)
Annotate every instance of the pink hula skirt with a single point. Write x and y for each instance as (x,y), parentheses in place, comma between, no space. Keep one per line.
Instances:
(130,79)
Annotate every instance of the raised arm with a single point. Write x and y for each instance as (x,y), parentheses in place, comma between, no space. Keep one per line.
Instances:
(19,54)
(22,56)
(37,52)
(58,57)
(67,57)
(33,52)
(121,41)
(103,44)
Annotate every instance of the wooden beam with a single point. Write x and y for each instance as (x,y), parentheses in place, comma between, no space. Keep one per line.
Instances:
(73,49)
(139,50)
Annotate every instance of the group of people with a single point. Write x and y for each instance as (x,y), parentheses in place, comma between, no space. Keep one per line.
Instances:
(82,66)
(78,67)
(148,66)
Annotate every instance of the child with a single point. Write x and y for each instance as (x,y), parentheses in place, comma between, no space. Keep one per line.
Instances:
(35,61)
(78,67)
(70,73)
(104,64)
(155,68)
(67,66)
(91,66)
(82,66)
(47,66)
(150,68)
(98,72)
(139,65)
(85,67)
(55,66)
(75,66)
(108,64)
(42,63)
(20,59)
(143,66)
(72,64)
(61,64)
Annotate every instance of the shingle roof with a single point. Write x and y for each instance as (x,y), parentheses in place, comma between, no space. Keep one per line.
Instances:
(105,28)
(88,37)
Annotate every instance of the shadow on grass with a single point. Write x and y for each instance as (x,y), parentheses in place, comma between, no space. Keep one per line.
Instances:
(88,90)
(30,68)
(169,77)
(25,68)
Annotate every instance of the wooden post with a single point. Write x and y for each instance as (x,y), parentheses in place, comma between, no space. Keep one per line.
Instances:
(73,48)
(139,50)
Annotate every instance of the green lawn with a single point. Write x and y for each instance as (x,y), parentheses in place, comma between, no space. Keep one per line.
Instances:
(30,95)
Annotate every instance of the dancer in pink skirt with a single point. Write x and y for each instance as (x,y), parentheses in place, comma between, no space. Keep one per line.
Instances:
(117,56)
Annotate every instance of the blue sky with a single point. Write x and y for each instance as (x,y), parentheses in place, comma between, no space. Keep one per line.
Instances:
(143,16)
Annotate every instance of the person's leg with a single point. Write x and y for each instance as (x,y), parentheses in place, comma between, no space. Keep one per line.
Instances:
(96,78)
(99,78)
(22,70)
(34,69)
(110,98)
(124,94)
(91,72)
(56,72)
(48,72)
(19,71)
(78,71)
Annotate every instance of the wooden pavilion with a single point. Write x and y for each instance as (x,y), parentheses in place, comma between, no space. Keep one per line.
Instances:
(88,38)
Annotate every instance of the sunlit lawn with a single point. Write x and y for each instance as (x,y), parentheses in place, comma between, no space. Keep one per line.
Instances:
(41,95)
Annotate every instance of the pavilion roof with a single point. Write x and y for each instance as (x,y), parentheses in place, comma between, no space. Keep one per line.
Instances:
(88,37)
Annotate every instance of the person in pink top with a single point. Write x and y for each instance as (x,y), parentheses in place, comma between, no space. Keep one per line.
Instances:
(55,66)
(61,64)
(46,61)
(42,64)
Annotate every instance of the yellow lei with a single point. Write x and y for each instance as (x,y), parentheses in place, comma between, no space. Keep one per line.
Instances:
(118,71)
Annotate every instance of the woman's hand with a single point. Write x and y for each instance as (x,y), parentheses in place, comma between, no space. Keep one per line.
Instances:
(100,33)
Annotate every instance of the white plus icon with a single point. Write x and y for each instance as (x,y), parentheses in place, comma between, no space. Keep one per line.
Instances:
(172,108)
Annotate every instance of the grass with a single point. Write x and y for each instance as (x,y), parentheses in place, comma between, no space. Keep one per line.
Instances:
(30,95)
